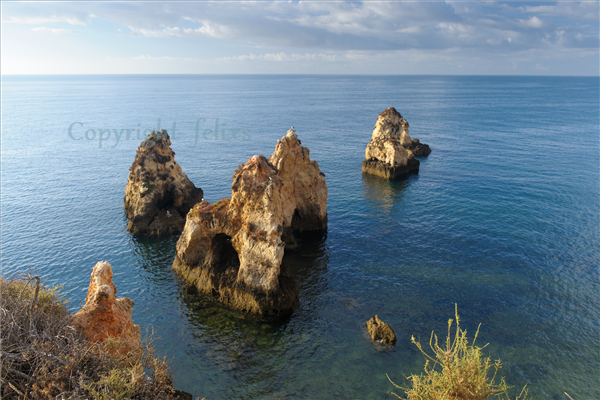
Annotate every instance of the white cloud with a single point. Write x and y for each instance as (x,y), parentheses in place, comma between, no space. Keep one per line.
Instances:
(282,56)
(533,22)
(33,20)
(55,31)
(586,10)
(167,58)
(207,30)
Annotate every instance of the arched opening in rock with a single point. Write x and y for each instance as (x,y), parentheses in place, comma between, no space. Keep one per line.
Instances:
(287,236)
(167,202)
(306,219)
(296,220)
(308,262)
(225,259)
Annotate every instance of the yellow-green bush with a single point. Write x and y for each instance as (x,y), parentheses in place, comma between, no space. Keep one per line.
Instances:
(456,371)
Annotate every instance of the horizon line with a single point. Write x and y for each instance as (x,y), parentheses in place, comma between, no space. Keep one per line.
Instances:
(287,74)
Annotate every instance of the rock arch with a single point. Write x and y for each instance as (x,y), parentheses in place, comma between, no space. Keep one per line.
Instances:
(268,197)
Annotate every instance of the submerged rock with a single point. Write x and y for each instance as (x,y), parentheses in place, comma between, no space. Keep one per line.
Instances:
(104,315)
(380,331)
(158,193)
(233,249)
(391,151)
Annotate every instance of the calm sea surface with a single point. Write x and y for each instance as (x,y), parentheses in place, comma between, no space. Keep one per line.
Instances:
(502,219)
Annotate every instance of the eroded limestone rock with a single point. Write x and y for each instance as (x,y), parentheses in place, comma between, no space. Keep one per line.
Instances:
(380,331)
(305,189)
(104,315)
(391,151)
(158,193)
(233,249)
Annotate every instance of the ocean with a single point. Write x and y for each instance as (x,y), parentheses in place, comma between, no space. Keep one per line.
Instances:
(502,220)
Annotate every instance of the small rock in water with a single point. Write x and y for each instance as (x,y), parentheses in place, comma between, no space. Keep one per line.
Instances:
(380,331)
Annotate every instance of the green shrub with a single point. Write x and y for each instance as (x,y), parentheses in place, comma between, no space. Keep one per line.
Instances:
(456,371)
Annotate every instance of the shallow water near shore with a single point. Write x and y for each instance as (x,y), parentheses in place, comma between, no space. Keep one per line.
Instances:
(502,219)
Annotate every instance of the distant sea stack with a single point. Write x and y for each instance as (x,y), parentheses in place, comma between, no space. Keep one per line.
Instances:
(391,152)
(158,193)
(233,249)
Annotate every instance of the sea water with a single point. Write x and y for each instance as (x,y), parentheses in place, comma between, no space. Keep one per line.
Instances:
(502,220)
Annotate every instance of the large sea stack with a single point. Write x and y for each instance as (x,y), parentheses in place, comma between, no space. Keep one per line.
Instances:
(158,193)
(233,249)
(391,152)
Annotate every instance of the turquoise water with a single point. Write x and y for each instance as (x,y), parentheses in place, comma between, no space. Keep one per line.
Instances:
(502,219)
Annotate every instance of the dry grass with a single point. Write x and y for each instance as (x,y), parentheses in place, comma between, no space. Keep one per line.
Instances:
(45,357)
(203,210)
(456,371)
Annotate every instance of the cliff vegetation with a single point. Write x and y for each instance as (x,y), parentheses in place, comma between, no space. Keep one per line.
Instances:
(46,356)
(457,370)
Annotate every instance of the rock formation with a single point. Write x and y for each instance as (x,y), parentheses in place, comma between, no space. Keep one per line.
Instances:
(391,152)
(158,193)
(380,331)
(104,315)
(234,248)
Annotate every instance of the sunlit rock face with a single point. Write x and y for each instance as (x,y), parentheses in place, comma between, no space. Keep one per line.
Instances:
(305,189)
(233,249)
(158,193)
(104,315)
(391,151)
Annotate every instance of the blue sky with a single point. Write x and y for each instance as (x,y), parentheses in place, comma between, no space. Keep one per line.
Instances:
(495,38)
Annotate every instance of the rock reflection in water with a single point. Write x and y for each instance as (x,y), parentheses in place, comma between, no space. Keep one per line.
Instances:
(383,194)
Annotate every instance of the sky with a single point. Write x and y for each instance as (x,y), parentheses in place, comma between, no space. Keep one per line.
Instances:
(315,37)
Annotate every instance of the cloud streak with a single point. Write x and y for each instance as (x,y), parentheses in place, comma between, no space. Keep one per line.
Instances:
(55,31)
(163,58)
(210,31)
(284,57)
